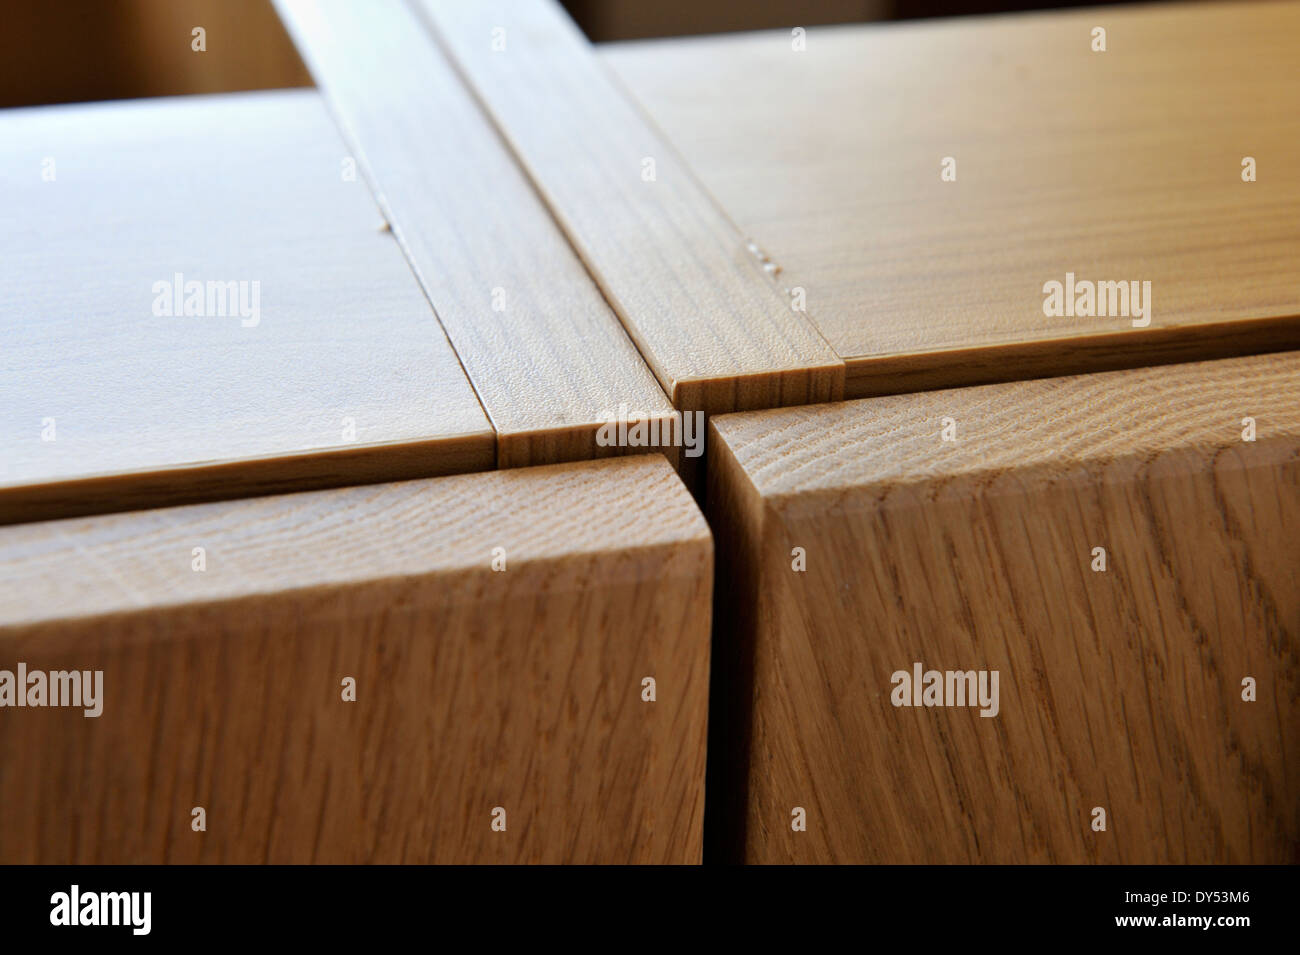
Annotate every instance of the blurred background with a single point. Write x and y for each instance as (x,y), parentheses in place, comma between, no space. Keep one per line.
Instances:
(62,51)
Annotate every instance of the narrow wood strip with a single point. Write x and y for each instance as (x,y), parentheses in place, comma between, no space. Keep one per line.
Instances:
(1119,548)
(1042,358)
(1053,423)
(321,363)
(718,331)
(498,627)
(1116,166)
(548,358)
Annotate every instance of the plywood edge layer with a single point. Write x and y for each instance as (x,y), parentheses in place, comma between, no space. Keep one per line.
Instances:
(688,285)
(876,375)
(805,386)
(279,474)
(660,433)
(455,528)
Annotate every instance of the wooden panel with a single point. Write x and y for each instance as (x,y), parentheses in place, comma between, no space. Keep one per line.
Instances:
(545,353)
(475,689)
(716,330)
(1120,686)
(322,365)
(1123,165)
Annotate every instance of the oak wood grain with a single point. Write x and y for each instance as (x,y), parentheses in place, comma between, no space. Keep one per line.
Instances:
(548,358)
(1120,165)
(336,372)
(475,689)
(1119,688)
(718,332)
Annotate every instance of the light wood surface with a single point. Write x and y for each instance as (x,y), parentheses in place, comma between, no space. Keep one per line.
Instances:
(719,333)
(1119,688)
(340,374)
(1117,166)
(475,689)
(548,358)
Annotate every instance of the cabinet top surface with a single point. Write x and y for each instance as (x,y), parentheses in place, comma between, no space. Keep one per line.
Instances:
(197,281)
(923,182)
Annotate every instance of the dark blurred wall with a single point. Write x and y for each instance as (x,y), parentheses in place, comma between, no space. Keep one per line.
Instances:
(55,51)
(635,19)
(952,8)
(58,51)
